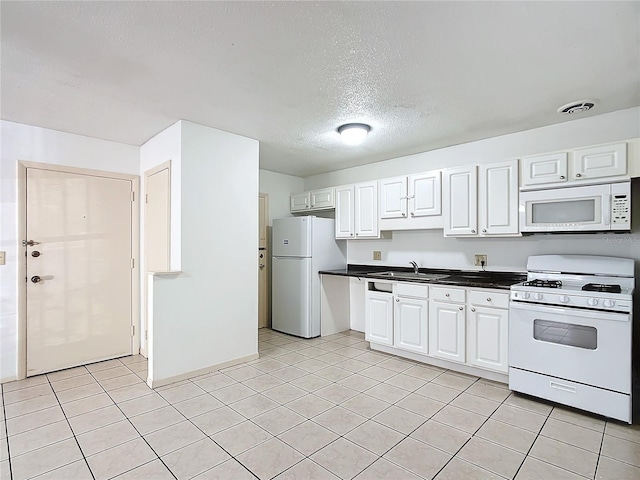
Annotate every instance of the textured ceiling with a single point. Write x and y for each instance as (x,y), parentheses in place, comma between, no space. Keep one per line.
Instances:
(423,74)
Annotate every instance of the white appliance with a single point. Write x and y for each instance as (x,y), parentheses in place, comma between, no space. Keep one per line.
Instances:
(590,208)
(570,332)
(302,246)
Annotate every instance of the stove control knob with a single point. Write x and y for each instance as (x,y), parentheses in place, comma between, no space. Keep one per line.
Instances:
(564,299)
(608,303)
(525,295)
(592,302)
(537,296)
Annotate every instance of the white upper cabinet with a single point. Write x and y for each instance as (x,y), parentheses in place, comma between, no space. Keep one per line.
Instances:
(498,199)
(357,211)
(299,202)
(600,162)
(321,199)
(393,197)
(425,194)
(345,210)
(588,164)
(418,195)
(460,201)
(366,210)
(544,169)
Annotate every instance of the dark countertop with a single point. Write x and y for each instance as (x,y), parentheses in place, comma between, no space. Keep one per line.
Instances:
(460,278)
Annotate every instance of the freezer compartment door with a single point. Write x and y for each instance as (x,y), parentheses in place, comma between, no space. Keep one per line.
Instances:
(292,236)
(291,299)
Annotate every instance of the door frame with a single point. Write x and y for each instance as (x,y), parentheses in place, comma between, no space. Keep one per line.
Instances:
(144,312)
(267,262)
(22,265)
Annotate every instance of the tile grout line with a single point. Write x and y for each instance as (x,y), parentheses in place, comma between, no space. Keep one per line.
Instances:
(6,431)
(70,428)
(134,427)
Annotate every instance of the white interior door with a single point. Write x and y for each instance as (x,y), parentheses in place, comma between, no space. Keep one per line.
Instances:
(79,291)
(157,220)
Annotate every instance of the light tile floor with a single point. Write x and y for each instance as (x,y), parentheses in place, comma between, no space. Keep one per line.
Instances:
(325,408)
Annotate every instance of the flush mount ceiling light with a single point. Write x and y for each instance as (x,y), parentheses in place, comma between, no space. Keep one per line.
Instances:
(576,107)
(353,133)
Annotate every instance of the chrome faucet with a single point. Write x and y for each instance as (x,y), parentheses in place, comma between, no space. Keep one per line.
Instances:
(415,267)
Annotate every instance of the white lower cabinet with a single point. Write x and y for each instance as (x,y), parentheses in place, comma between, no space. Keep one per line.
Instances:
(487,338)
(378,315)
(447,331)
(410,322)
(463,325)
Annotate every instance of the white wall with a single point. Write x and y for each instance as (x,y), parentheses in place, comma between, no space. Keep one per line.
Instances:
(430,249)
(209,314)
(162,147)
(279,186)
(34,144)
(607,128)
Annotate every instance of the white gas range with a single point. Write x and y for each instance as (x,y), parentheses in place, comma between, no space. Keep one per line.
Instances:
(570,332)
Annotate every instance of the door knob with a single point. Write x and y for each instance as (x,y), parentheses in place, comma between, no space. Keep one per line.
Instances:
(35,279)
(35,253)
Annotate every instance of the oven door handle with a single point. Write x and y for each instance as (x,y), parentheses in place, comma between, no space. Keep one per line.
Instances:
(589,315)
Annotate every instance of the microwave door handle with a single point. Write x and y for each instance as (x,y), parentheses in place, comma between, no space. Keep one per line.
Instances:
(606,217)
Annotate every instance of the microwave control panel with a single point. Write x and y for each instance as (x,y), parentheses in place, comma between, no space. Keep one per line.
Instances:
(620,209)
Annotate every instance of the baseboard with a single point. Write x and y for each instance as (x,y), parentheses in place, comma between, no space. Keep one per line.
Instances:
(202,371)
(458,367)
(8,379)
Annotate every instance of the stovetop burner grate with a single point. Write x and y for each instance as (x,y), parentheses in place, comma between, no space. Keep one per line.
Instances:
(543,283)
(601,287)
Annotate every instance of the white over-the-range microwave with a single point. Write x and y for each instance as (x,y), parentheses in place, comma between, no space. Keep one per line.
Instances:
(589,208)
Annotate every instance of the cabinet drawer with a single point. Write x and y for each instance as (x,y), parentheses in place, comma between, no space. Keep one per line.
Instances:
(412,290)
(485,298)
(448,294)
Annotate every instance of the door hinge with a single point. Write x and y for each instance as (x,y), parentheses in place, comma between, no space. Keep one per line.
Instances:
(146,334)
(146,198)
(133,196)
(133,330)
(133,263)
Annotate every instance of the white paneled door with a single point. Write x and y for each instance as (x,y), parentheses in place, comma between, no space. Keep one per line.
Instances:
(78,264)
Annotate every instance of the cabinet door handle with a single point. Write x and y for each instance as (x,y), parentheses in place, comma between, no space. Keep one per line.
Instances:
(578,175)
(397,299)
(446,295)
(484,230)
(489,299)
(473,231)
(404,214)
(561,177)
(460,308)
(412,214)
(473,309)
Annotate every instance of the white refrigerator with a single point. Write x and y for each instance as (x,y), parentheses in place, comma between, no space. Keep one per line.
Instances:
(302,246)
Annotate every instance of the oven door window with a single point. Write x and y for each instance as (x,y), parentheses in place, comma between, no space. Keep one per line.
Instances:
(579,336)
(566,211)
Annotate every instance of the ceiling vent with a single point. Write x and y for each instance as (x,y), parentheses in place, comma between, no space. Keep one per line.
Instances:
(576,107)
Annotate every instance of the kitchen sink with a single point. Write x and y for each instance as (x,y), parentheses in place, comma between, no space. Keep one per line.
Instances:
(410,275)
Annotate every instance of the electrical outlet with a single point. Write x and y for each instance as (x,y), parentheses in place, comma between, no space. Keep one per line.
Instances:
(377,255)
(480,260)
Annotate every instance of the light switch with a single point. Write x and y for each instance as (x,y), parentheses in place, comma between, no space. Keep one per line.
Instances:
(2,255)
